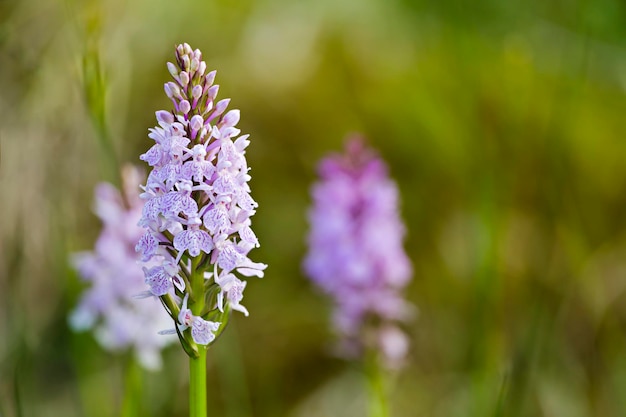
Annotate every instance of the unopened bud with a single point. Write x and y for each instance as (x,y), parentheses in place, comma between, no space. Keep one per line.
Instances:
(194,64)
(202,68)
(172,69)
(212,93)
(196,92)
(172,90)
(184,79)
(219,109)
(165,116)
(196,122)
(210,77)
(231,118)
(184,106)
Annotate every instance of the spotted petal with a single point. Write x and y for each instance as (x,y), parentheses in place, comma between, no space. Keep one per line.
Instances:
(148,246)
(202,331)
(228,258)
(159,279)
(193,241)
(217,219)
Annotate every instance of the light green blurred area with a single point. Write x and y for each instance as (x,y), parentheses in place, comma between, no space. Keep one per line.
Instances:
(503,123)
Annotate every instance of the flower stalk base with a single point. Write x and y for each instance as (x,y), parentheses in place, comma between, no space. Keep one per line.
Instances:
(378,405)
(197,385)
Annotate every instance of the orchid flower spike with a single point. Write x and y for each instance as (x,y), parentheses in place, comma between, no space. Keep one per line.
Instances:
(121,305)
(198,208)
(355,252)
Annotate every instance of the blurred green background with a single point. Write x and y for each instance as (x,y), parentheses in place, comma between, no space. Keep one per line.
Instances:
(503,123)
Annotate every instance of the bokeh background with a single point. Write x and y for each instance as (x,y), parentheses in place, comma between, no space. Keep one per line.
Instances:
(502,122)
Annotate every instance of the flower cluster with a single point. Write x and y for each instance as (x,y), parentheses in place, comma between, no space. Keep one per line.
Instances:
(356,254)
(108,305)
(197,205)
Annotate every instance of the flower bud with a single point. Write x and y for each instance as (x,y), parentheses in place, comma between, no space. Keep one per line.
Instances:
(210,77)
(196,122)
(165,116)
(231,118)
(212,93)
(194,65)
(172,69)
(202,68)
(196,92)
(172,90)
(184,79)
(219,108)
(184,106)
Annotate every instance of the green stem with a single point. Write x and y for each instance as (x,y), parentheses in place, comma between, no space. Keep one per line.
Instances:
(378,405)
(197,366)
(132,389)
(197,287)
(197,385)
